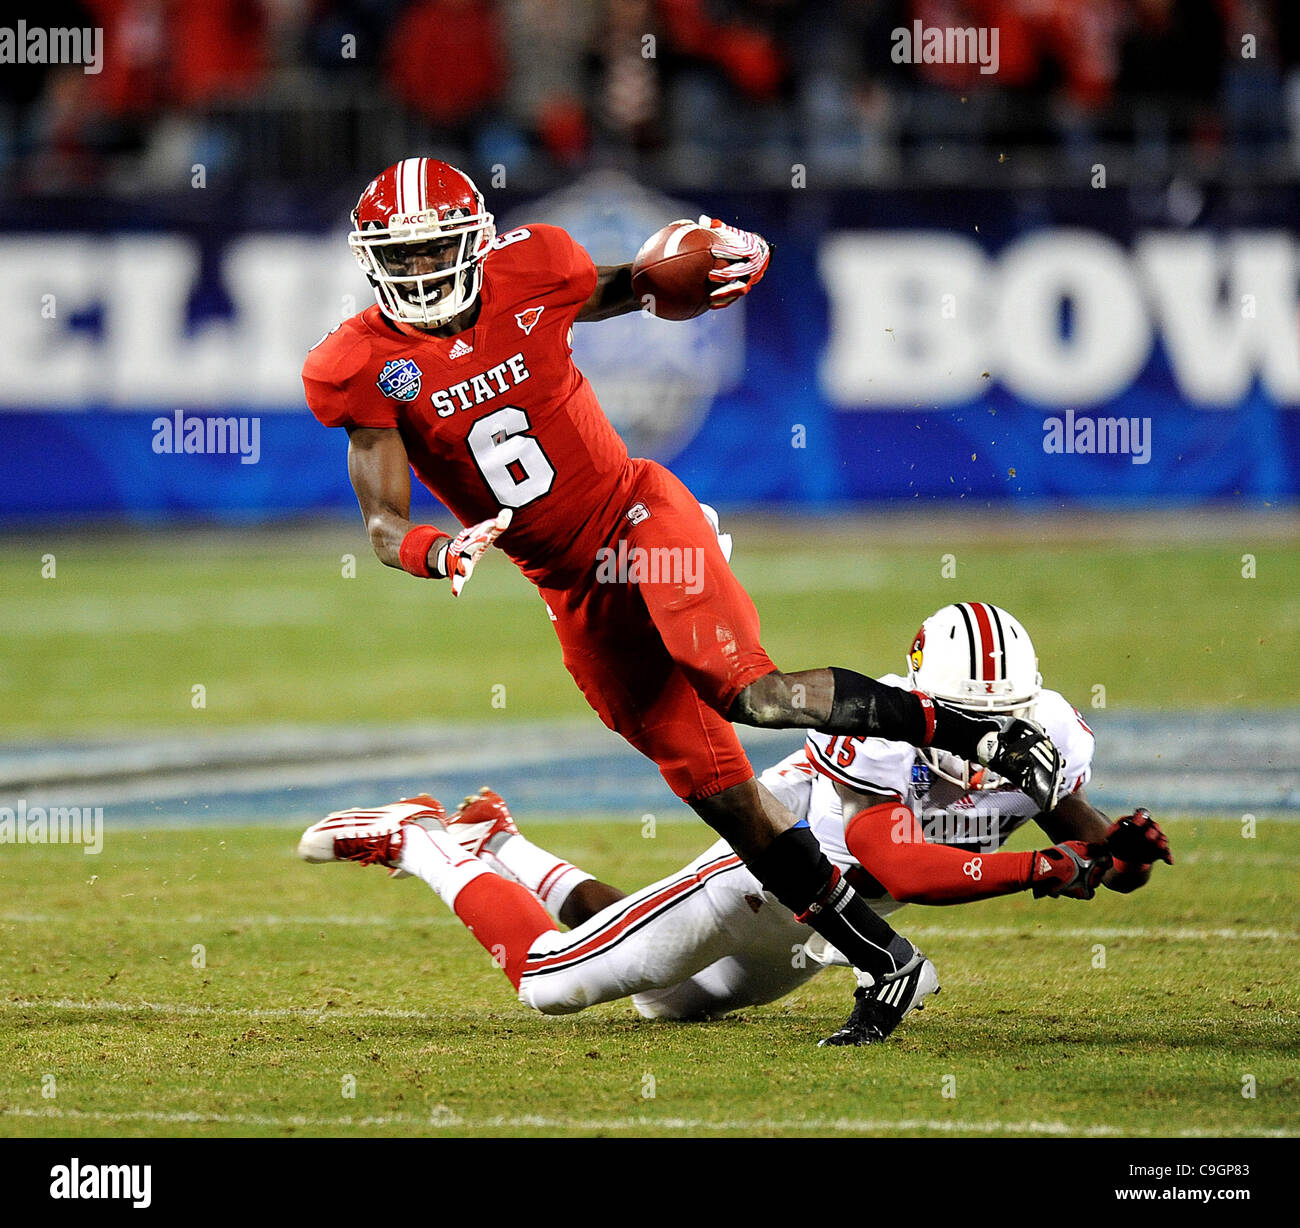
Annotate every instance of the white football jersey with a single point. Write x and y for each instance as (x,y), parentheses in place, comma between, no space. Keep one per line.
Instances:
(977,818)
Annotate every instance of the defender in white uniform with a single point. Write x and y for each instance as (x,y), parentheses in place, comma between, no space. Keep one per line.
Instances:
(903,825)
(716,942)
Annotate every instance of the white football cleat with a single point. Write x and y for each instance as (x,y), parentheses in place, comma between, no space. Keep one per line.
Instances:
(368,836)
(478,819)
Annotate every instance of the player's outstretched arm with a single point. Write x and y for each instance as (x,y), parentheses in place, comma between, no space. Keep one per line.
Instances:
(838,700)
(1074,817)
(1135,842)
(612,296)
(887,839)
(381,477)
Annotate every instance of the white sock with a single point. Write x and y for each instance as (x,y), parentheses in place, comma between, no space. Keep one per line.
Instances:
(550,878)
(437,859)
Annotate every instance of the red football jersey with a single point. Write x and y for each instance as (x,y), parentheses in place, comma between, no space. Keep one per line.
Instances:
(498,415)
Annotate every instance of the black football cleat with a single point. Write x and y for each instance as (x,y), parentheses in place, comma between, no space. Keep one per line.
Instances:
(1021,752)
(878,1009)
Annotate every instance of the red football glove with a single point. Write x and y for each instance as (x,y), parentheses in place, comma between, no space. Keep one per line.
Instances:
(1137,840)
(457,557)
(748,255)
(1072,868)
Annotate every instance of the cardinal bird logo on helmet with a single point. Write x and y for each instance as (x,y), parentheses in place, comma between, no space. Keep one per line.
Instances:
(917,654)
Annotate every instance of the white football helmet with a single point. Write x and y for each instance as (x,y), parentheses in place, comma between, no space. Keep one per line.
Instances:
(976,657)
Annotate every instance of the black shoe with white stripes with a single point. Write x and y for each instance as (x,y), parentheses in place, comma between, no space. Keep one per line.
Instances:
(1022,752)
(881,1007)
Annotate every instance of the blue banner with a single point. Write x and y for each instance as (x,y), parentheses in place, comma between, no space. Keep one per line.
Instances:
(1075,347)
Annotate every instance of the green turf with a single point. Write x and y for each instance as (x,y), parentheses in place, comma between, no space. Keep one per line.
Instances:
(273,631)
(315,974)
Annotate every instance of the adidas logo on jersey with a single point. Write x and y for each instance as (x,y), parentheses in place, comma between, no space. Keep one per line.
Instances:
(460,349)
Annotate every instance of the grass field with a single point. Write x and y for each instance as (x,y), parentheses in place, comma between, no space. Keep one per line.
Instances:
(270,626)
(314,974)
(312,977)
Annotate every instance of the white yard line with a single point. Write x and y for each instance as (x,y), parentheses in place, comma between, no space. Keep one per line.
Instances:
(1154,933)
(759,1126)
(163,614)
(305,1013)
(386,921)
(1157,933)
(1215,857)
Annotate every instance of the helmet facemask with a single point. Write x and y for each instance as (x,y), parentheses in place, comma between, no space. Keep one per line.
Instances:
(425,271)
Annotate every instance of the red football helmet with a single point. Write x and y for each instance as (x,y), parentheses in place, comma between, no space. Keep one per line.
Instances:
(420,233)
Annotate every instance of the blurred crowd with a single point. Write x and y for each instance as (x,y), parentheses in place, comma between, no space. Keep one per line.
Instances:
(730,91)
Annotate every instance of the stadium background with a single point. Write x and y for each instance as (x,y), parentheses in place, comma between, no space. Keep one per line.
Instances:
(1107,226)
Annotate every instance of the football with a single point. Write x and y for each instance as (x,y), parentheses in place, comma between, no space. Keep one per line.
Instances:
(670,275)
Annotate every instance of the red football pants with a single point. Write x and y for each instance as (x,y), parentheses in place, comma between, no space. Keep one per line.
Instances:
(662,638)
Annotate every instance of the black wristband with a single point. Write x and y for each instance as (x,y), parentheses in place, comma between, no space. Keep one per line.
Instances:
(867,708)
(959,732)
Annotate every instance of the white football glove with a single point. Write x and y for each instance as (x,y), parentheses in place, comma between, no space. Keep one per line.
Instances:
(748,255)
(457,557)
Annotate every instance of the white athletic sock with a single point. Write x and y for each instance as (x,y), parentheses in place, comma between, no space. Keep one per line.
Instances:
(550,878)
(437,859)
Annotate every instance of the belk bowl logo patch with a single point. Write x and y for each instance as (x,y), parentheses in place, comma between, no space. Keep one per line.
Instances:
(400,379)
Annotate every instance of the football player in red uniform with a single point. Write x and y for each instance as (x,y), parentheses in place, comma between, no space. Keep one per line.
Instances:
(463,371)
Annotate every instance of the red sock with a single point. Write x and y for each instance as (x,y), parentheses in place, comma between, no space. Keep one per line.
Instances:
(505,917)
